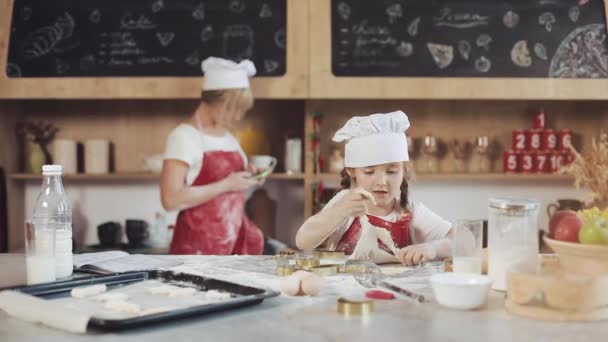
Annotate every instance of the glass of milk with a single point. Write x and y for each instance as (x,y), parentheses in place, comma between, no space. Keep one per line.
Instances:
(467,246)
(39,253)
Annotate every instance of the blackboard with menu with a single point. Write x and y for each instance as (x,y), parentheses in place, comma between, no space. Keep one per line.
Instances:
(97,38)
(469,38)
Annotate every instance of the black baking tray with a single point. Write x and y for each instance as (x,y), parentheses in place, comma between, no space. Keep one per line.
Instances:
(242,296)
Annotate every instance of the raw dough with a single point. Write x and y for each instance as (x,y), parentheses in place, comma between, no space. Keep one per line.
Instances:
(172,291)
(88,291)
(123,306)
(216,295)
(111,296)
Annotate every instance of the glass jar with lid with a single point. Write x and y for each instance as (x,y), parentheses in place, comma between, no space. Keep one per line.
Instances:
(512,236)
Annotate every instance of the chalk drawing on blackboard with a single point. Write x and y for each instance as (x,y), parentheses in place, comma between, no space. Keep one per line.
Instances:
(547,19)
(236,6)
(26,13)
(344,10)
(199,12)
(157,6)
(483,41)
(141,22)
(443,55)
(540,51)
(394,13)
(520,54)
(165,38)
(510,19)
(154,60)
(582,53)
(405,49)
(265,12)
(464,48)
(193,59)
(574,13)
(95,16)
(207,33)
(61,67)
(238,42)
(483,64)
(279,38)
(45,39)
(13,70)
(412,28)
(87,63)
(459,20)
(270,65)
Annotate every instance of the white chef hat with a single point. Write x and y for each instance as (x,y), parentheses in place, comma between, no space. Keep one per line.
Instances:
(225,74)
(375,139)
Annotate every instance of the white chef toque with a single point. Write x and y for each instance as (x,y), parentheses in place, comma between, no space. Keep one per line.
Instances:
(225,74)
(374,139)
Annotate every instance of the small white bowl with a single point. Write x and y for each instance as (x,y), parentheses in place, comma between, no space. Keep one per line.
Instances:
(463,291)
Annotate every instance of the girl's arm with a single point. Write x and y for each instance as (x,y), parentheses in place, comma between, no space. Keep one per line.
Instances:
(318,227)
(177,195)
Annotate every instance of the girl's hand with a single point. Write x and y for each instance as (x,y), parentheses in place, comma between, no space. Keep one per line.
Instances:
(252,169)
(351,204)
(415,254)
(238,181)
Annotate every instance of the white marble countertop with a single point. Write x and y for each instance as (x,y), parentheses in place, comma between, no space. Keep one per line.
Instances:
(312,318)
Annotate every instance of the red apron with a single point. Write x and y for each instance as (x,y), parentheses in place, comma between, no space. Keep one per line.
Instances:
(218,226)
(400,232)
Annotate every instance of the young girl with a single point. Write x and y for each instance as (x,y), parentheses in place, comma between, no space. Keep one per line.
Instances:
(205,171)
(375,161)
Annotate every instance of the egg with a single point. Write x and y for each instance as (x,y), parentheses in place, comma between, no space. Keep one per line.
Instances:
(312,284)
(290,285)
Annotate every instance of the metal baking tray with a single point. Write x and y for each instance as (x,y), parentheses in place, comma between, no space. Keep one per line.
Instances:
(241,296)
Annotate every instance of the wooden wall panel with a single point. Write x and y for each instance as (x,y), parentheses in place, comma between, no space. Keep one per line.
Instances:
(464,120)
(139,128)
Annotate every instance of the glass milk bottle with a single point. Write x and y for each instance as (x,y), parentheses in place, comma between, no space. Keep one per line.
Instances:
(512,236)
(53,210)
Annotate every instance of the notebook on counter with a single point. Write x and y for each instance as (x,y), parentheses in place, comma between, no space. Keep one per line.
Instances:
(118,261)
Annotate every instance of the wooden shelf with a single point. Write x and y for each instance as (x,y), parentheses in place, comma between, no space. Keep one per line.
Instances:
(499,177)
(130,176)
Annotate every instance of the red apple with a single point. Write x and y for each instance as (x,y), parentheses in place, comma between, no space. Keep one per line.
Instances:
(558,216)
(567,228)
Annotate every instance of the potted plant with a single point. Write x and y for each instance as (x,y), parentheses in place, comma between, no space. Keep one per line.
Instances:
(36,136)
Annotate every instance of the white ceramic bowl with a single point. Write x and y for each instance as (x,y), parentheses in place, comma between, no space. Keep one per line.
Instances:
(463,291)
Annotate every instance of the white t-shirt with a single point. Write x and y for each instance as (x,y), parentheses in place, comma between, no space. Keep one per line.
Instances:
(425,225)
(188,144)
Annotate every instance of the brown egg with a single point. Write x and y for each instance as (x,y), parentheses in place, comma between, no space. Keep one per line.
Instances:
(311,284)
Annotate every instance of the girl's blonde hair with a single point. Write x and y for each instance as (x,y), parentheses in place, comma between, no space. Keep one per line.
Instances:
(235,101)
(346,183)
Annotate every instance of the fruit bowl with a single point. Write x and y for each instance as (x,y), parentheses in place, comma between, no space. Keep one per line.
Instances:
(579,258)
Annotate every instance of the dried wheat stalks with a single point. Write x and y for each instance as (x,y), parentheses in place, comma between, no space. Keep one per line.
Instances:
(590,169)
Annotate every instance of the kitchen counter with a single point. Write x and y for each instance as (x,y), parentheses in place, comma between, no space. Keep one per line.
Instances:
(311,318)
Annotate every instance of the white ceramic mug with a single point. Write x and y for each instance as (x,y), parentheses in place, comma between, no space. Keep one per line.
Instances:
(97,156)
(293,155)
(64,154)
(263,162)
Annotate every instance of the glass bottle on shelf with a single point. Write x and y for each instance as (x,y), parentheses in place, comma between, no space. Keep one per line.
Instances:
(429,155)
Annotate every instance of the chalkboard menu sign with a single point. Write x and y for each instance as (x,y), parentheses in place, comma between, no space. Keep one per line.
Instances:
(61,38)
(469,38)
